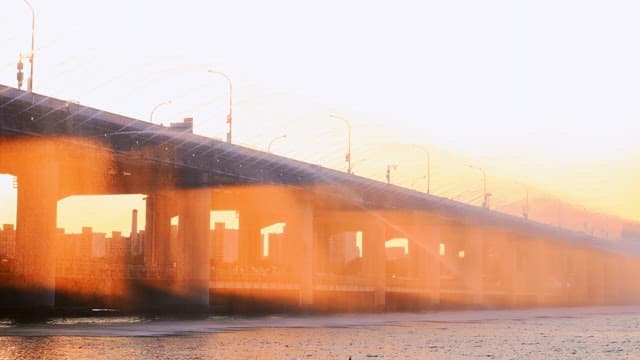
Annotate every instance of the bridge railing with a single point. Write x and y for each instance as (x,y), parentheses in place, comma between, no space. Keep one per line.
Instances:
(329,279)
(102,269)
(268,274)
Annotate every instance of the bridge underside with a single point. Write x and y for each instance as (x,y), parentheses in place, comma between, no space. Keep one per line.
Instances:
(348,243)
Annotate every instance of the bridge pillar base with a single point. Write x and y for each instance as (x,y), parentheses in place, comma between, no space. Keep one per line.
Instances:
(300,238)
(373,253)
(193,263)
(473,267)
(433,265)
(38,182)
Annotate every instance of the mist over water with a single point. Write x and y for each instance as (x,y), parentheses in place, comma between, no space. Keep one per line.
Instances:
(604,332)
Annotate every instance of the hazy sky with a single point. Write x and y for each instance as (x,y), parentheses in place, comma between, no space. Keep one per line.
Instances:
(542,91)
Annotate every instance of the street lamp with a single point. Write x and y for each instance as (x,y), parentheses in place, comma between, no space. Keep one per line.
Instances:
(525,208)
(389,168)
(166,102)
(485,202)
(348,155)
(230,114)
(283,136)
(428,157)
(31,55)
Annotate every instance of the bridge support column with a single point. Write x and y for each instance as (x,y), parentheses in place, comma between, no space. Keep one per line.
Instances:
(38,182)
(249,237)
(193,257)
(373,253)
(300,234)
(514,265)
(612,275)
(321,249)
(451,270)
(563,273)
(501,266)
(579,276)
(534,271)
(433,263)
(417,254)
(595,276)
(157,252)
(473,265)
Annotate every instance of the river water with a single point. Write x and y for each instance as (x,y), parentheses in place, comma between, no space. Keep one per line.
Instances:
(568,333)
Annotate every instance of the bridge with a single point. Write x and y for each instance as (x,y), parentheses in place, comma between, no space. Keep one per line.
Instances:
(332,254)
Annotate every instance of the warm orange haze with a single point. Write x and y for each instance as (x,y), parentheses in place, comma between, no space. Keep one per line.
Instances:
(302,236)
(246,157)
(504,97)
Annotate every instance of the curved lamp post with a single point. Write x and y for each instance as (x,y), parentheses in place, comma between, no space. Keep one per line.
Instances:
(283,136)
(428,175)
(389,168)
(485,201)
(525,208)
(31,55)
(348,155)
(166,102)
(230,114)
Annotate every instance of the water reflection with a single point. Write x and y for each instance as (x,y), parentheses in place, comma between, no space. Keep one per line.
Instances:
(549,333)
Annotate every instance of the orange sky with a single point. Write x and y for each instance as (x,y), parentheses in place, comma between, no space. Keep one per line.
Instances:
(537,92)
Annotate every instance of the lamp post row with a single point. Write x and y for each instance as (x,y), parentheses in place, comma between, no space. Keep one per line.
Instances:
(31,55)
(230,116)
(230,113)
(348,155)
(485,201)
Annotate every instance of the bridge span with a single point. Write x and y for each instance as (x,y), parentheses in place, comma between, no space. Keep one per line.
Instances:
(332,254)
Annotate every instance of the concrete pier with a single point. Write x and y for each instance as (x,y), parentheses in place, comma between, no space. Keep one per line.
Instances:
(38,181)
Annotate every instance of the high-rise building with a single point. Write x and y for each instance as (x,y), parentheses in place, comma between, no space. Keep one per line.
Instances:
(137,247)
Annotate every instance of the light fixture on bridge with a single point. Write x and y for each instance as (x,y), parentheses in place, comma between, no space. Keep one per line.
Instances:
(230,114)
(428,174)
(348,155)
(389,168)
(283,136)
(153,111)
(486,195)
(20,76)
(525,207)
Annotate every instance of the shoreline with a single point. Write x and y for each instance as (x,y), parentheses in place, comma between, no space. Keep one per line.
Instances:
(138,326)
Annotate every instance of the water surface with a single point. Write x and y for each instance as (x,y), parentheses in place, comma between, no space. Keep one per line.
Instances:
(612,332)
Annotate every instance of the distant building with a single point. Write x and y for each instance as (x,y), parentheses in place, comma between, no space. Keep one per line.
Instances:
(98,245)
(135,238)
(117,246)
(8,242)
(84,243)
